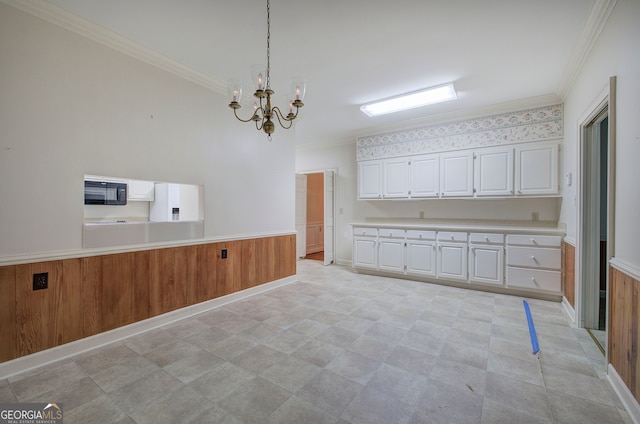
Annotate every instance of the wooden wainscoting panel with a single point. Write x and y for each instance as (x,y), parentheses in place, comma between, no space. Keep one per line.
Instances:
(8,332)
(168,272)
(141,305)
(624,331)
(570,274)
(204,286)
(266,260)
(38,312)
(92,295)
(73,312)
(286,252)
(228,271)
(161,281)
(117,290)
(186,272)
(249,275)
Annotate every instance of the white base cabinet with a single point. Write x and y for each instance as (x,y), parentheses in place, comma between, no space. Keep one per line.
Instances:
(486,258)
(421,252)
(365,248)
(533,262)
(452,255)
(391,246)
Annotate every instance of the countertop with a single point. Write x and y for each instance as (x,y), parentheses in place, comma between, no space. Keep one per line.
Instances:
(507,227)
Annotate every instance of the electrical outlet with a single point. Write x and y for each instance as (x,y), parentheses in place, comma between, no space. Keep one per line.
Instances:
(535,216)
(41,281)
(223,253)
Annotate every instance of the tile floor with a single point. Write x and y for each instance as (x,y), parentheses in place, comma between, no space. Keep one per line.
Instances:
(339,347)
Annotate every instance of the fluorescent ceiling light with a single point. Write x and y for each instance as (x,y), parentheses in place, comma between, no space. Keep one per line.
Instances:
(428,96)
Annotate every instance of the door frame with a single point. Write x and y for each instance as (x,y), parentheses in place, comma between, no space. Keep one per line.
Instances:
(605,100)
(334,172)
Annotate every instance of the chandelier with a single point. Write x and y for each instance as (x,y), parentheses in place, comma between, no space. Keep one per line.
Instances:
(264,114)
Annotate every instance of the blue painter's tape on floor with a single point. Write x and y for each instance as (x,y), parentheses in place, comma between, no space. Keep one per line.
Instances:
(532,329)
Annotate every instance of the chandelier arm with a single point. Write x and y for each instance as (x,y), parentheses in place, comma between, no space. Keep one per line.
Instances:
(240,119)
(276,111)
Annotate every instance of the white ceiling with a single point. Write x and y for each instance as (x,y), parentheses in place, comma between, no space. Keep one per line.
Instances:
(355,51)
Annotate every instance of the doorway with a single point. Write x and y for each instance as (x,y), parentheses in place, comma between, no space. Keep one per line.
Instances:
(595,166)
(315,216)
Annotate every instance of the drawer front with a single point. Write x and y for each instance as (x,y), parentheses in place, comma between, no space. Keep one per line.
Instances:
(534,279)
(486,238)
(421,235)
(540,257)
(532,240)
(391,233)
(365,232)
(452,236)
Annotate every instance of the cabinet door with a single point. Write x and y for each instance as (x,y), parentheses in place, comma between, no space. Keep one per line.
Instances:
(456,174)
(391,255)
(364,252)
(141,190)
(537,169)
(424,176)
(421,257)
(452,261)
(494,172)
(486,264)
(370,179)
(395,178)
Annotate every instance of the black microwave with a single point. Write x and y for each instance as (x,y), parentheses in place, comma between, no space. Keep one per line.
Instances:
(105,193)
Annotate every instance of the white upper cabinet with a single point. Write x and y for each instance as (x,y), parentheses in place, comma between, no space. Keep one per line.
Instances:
(528,169)
(494,172)
(395,178)
(456,174)
(536,169)
(370,179)
(424,176)
(141,190)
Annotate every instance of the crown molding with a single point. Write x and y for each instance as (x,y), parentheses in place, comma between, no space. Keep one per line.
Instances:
(598,16)
(56,15)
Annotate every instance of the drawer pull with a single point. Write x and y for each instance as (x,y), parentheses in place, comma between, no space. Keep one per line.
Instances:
(452,237)
(486,238)
(533,241)
(420,236)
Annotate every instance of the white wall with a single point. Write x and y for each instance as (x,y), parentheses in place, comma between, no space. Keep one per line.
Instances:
(70,107)
(615,53)
(343,158)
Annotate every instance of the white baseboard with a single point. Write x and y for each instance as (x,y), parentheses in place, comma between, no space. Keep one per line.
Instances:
(571,313)
(38,359)
(624,394)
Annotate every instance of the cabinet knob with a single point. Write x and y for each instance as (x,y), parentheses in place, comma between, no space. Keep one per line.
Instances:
(486,238)
(420,236)
(452,237)
(534,241)
(533,257)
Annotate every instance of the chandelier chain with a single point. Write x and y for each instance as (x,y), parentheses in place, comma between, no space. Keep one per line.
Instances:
(268,44)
